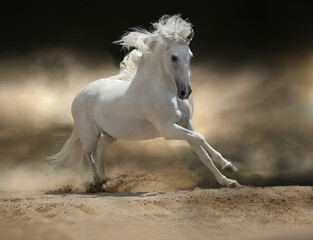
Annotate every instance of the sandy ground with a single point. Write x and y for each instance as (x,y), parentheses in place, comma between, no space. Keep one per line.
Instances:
(244,213)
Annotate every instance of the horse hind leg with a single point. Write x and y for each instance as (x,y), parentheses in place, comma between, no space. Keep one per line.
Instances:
(104,142)
(89,143)
(93,160)
(97,184)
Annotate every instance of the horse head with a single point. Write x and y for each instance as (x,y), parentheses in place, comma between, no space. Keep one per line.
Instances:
(169,44)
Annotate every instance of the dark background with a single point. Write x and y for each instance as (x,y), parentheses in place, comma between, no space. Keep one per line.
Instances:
(230,32)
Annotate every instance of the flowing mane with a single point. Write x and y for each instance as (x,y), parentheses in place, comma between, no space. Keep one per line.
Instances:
(128,67)
(168,29)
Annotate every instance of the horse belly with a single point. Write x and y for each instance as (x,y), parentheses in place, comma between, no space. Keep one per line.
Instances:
(130,129)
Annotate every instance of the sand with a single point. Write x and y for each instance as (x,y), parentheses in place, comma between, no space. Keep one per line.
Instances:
(243,213)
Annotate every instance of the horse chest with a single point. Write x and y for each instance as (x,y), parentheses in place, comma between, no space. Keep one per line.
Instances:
(184,110)
(183,121)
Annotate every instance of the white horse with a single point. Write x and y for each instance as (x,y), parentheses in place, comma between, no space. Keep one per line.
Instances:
(148,99)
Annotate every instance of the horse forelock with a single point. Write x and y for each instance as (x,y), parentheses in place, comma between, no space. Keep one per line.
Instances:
(173,29)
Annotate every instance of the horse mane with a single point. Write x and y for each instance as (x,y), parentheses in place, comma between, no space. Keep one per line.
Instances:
(168,29)
(128,67)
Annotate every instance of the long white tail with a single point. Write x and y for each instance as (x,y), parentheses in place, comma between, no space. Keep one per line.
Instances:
(70,155)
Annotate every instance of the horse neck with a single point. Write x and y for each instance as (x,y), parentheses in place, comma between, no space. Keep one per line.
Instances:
(151,73)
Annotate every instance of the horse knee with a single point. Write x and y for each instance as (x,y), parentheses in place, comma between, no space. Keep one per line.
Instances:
(199,139)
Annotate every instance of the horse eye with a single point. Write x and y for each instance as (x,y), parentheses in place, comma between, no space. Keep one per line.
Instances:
(174,58)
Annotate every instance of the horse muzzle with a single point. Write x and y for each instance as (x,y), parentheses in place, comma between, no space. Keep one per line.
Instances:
(184,93)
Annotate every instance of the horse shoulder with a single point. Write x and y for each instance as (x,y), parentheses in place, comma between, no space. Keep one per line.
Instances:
(165,109)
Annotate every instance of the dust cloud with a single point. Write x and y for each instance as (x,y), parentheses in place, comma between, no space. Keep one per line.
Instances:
(259,115)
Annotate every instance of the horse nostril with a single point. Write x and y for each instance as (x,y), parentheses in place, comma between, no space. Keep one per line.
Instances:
(182,93)
(190,91)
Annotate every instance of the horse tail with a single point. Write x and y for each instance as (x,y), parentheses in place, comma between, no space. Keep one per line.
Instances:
(70,155)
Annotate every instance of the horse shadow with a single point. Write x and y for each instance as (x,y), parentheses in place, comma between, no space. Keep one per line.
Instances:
(104,194)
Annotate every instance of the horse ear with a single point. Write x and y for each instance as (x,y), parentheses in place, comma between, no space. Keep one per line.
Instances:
(190,36)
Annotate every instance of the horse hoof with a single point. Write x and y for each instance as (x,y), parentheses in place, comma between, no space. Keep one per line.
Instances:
(94,187)
(234,184)
(230,169)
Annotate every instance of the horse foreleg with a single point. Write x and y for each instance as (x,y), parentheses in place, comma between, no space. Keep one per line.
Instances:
(205,158)
(216,156)
(198,143)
